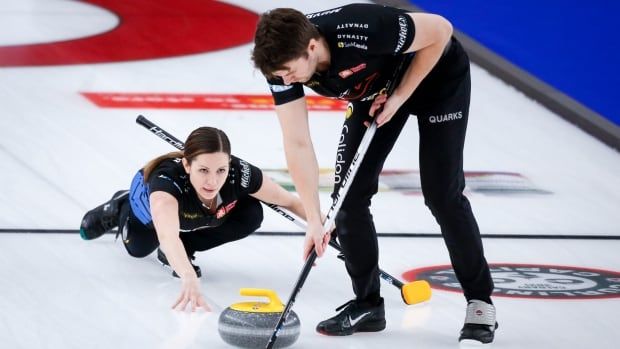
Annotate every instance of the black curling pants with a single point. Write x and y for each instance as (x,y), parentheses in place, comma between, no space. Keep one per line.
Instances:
(245,219)
(441,105)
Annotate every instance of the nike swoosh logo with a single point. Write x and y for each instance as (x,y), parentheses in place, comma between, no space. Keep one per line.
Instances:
(354,321)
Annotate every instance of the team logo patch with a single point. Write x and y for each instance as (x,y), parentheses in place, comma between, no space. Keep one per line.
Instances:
(220,213)
(348,72)
(531,281)
(224,210)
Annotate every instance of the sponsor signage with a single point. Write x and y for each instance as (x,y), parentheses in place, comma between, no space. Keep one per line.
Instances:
(408,181)
(202,101)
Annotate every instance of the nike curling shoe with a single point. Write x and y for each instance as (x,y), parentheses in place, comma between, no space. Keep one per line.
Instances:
(355,317)
(480,323)
(103,218)
(164,261)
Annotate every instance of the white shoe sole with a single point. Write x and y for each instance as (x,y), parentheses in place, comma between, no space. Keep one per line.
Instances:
(472,343)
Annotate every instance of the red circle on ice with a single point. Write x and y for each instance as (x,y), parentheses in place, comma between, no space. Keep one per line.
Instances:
(147,29)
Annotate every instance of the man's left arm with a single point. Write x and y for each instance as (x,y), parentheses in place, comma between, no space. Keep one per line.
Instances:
(432,33)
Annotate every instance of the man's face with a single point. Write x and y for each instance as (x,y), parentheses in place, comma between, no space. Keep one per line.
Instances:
(300,69)
(297,70)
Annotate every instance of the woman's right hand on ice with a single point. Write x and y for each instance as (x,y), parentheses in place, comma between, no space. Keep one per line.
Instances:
(316,238)
(190,295)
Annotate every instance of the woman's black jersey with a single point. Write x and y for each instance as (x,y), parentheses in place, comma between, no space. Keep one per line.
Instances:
(243,179)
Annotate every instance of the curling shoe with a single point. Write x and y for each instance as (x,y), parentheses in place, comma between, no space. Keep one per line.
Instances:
(354,317)
(164,261)
(480,324)
(103,218)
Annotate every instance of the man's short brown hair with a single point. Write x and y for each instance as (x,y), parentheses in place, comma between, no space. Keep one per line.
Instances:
(282,35)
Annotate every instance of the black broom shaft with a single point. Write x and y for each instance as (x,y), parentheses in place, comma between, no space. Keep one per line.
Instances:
(333,243)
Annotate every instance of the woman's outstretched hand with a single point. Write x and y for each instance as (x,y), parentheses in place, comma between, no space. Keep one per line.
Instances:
(190,296)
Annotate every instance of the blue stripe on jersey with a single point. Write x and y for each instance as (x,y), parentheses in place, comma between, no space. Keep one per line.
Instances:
(139,199)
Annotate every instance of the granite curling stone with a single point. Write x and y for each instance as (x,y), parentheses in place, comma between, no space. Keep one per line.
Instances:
(250,324)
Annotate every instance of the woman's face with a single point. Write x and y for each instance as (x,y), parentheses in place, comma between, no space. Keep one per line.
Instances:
(207,174)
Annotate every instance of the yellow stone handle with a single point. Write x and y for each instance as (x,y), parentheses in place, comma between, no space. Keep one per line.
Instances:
(274,306)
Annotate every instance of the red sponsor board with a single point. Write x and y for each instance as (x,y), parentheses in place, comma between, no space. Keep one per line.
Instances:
(202,101)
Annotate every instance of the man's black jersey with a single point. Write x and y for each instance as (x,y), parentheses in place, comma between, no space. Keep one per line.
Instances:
(366,42)
(170,177)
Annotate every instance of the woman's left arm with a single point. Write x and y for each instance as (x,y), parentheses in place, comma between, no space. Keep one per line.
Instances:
(273,193)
